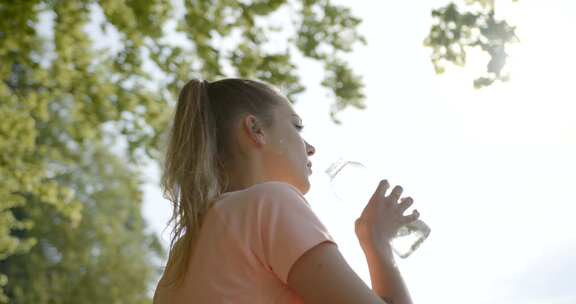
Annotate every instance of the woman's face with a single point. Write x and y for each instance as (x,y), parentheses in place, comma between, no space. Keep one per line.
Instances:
(287,153)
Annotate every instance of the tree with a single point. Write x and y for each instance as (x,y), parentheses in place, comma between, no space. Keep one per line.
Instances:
(454,32)
(70,226)
(105,258)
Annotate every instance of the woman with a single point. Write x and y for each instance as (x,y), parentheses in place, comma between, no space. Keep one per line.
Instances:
(236,169)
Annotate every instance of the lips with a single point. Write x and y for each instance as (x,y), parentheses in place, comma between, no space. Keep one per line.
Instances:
(309,165)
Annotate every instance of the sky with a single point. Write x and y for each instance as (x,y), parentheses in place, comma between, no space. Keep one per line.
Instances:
(491,171)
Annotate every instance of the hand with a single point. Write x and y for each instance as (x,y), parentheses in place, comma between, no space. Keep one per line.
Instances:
(383,216)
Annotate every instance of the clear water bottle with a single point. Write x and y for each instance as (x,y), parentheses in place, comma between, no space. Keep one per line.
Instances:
(353,183)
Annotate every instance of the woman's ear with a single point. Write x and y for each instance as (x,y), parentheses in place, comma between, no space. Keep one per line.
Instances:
(253,129)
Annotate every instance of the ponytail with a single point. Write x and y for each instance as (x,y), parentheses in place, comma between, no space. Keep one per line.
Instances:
(188,179)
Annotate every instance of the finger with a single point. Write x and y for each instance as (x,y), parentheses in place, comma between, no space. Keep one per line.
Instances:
(405,203)
(396,192)
(382,188)
(412,217)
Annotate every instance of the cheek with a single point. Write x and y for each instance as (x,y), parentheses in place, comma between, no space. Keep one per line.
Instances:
(289,148)
(289,141)
(296,143)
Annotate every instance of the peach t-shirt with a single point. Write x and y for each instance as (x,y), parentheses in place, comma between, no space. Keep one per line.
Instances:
(249,241)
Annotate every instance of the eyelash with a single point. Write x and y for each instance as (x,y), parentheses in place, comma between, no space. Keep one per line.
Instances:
(299,127)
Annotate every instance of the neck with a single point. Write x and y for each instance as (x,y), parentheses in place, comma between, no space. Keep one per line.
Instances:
(244,174)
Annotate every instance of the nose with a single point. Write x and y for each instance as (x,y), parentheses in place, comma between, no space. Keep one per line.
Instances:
(310,149)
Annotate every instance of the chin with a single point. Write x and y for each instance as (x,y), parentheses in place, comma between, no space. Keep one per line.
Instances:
(305,187)
(302,184)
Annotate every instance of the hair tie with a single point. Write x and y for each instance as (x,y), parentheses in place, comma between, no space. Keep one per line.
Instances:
(204,87)
(205,100)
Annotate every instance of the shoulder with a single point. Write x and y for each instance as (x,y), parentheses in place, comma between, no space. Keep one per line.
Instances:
(275,191)
(271,194)
(275,187)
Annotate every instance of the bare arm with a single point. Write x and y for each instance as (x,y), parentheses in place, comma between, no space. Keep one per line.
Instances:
(322,275)
(386,279)
(375,228)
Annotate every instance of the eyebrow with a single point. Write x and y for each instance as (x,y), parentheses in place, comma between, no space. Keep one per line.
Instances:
(297,116)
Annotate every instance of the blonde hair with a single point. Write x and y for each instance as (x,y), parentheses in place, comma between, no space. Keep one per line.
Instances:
(198,151)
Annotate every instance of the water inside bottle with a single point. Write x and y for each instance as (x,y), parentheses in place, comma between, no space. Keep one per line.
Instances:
(409,238)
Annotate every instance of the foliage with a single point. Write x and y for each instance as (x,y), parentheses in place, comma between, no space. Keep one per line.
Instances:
(455,31)
(105,259)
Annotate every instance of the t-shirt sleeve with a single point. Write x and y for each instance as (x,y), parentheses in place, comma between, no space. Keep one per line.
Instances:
(288,228)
